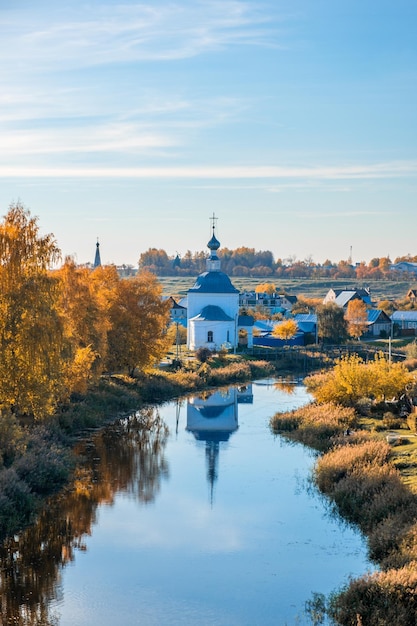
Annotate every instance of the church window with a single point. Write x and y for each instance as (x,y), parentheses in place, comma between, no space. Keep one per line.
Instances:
(228,337)
(210,336)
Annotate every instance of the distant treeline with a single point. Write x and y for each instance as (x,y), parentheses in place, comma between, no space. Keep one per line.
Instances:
(261,263)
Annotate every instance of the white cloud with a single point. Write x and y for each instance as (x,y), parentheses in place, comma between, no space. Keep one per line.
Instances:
(112,137)
(351,172)
(96,34)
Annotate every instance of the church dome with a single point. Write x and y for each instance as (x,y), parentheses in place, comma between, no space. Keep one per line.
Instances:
(213,282)
(213,244)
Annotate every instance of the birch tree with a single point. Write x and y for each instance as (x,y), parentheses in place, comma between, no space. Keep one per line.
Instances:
(30,324)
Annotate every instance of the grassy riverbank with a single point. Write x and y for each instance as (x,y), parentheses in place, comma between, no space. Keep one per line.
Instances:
(360,473)
(36,460)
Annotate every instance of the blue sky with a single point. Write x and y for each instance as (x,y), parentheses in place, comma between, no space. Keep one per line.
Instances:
(294,121)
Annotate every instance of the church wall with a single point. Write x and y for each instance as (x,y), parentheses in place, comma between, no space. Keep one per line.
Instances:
(223,332)
(229,302)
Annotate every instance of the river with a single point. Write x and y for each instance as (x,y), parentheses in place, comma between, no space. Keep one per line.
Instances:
(204,519)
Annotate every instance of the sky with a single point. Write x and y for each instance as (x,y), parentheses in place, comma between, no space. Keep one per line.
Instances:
(294,121)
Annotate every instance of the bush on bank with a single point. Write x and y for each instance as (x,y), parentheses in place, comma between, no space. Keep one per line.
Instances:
(317,426)
(366,489)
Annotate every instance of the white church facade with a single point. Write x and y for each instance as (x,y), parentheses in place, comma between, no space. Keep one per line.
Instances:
(213,319)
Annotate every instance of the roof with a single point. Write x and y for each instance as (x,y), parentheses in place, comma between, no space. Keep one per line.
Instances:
(212,313)
(213,282)
(264,325)
(404,316)
(245,320)
(406,266)
(346,296)
(292,299)
(174,304)
(377,315)
(306,317)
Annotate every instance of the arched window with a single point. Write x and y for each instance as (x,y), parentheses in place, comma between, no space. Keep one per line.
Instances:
(210,336)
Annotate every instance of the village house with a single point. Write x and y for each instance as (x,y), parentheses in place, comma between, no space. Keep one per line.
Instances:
(342,297)
(406,267)
(379,323)
(405,322)
(412,295)
(178,312)
(275,303)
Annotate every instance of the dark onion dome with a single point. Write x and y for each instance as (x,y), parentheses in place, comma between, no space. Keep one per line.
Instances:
(213,282)
(213,244)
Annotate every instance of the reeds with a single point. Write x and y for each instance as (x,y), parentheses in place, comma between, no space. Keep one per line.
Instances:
(365,488)
(318,426)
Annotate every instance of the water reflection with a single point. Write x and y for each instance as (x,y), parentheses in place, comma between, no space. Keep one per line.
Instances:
(125,457)
(162,554)
(212,417)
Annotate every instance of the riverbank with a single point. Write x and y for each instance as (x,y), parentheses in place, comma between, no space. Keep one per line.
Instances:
(356,471)
(36,460)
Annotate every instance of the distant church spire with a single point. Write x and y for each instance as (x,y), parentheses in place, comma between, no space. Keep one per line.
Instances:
(97,260)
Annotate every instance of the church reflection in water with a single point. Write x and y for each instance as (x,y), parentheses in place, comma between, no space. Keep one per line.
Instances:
(127,457)
(213,418)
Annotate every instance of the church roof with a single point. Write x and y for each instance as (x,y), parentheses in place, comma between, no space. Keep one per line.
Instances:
(213,282)
(213,244)
(245,320)
(212,313)
(97,260)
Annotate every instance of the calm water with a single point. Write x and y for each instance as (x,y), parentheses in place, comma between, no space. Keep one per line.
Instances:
(206,519)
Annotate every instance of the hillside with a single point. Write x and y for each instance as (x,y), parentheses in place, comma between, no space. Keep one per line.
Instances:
(380,289)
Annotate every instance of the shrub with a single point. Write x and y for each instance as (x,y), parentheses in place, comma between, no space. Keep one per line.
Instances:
(375,599)
(389,420)
(234,371)
(411,350)
(203,354)
(13,439)
(46,465)
(341,461)
(393,542)
(315,425)
(285,422)
(16,502)
(351,380)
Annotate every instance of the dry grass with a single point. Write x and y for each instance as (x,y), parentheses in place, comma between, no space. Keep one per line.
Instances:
(368,482)
(317,426)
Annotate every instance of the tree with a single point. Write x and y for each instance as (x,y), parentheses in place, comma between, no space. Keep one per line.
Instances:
(344,270)
(357,318)
(30,324)
(285,330)
(268,288)
(139,320)
(351,380)
(155,259)
(332,326)
(84,302)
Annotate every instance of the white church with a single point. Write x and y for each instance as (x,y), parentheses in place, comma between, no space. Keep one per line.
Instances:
(213,319)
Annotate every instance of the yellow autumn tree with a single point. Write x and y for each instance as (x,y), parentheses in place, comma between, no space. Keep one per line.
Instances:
(30,324)
(357,318)
(268,288)
(285,330)
(84,303)
(352,379)
(139,319)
